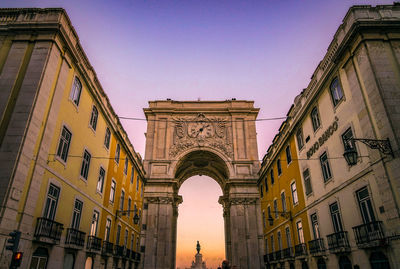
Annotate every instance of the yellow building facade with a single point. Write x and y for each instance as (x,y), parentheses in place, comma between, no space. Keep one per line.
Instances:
(59,136)
(284,216)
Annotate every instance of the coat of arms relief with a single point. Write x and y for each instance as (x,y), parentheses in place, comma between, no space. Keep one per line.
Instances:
(201,131)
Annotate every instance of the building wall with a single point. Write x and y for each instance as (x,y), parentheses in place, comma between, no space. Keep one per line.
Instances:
(38,67)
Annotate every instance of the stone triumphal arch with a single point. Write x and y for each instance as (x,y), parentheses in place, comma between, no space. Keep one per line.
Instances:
(213,138)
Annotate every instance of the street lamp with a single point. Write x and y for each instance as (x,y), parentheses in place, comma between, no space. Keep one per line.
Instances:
(285,214)
(350,153)
(136,217)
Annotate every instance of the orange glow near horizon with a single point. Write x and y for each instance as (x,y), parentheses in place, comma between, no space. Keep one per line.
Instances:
(200,218)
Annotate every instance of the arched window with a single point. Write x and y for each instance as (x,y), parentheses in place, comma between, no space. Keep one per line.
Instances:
(336,91)
(321,263)
(76,91)
(344,263)
(378,260)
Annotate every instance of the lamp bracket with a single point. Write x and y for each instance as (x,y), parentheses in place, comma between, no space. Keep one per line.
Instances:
(381,145)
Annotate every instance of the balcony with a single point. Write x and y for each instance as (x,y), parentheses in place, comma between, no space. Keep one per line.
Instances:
(266,260)
(278,255)
(119,251)
(128,253)
(75,238)
(300,250)
(316,247)
(370,235)
(136,256)
(108,248)
(271,257)
(288,253)
(48,231)
(93,244)
(338,242)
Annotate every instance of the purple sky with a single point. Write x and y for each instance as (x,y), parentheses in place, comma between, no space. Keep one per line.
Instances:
(213,50)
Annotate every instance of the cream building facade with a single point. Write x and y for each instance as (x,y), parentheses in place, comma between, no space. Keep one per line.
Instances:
(353,210)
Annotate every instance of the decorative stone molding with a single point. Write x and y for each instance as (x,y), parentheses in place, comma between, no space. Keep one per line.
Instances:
(201,131)
(243,201)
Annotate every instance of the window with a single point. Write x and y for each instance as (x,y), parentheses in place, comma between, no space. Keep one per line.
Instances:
(85,164)
(326,170)
(93,118)
(117,152)
(132,174)
(94,224)
(279,167)
(126,166)
(315,119)
(299,137)
(272,176)
(118,236)
(269,213)
(100,181)
(264,220)
(261,191)
(51,202)
(336,219)
(272,243)
(283,200)
(112,191)
(364,201)
(76,216)
(315,225)
(107,230)
(288,239)
(348,142)
(288,155)
(336,91)
(107,138)
(126,238)
(76,91)
(266,184)
(137,243)
(266,245)
(121,202)
(63,145)
(300,234)
(279,240)
(307,181)
(132,241)
(141,189)
(294,193)
(137,183)
(129,206)
(276,208)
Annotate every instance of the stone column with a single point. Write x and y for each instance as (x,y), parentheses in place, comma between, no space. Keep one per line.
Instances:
(160,239)
(244,233)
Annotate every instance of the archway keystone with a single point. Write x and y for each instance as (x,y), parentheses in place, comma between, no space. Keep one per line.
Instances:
(213,138)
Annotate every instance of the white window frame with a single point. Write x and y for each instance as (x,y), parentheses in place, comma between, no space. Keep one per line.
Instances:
(64,144)
(74,95)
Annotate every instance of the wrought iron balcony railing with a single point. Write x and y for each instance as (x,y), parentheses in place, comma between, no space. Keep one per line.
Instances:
(338,242)
(48,230)
(128,253)
(266,260)
(119,250)
(278,255)
(316,247)
(271,256)
(75,238)
(370,235)
(108,248)
(93,243)
(300,250)
(288,253)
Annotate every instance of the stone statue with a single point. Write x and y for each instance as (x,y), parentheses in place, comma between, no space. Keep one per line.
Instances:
(198,247)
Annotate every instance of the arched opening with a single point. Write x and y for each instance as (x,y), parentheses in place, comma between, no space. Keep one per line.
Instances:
(321,264)
(89,263)
(344,263)
(200,174)
(200,219)
(69,261)
(39,258)
(379,260)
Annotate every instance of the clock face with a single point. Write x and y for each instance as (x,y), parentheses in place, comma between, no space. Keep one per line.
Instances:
(201,130)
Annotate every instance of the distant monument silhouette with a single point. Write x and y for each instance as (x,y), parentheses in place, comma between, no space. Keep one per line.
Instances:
(198,260)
